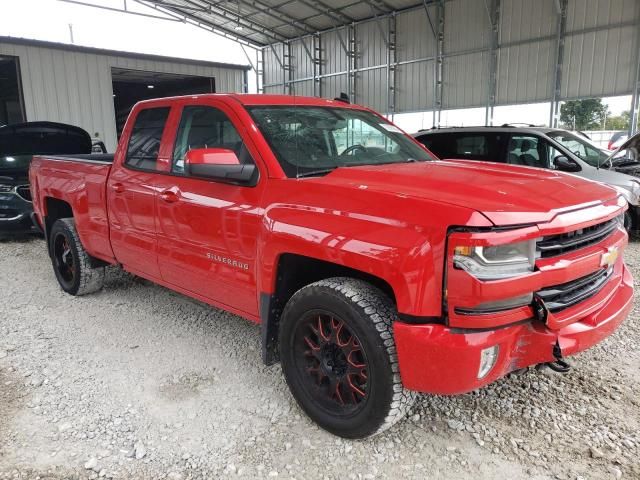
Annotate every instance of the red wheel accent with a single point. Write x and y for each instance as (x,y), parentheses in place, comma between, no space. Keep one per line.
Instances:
(335,361)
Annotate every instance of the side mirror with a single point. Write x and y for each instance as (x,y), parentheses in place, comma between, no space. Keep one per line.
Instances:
(219,164)
(565,164)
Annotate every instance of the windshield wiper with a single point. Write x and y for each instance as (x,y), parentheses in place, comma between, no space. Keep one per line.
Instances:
(313,173)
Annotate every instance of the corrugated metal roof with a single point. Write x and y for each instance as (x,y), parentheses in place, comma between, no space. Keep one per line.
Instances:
(261,22)
(117,53)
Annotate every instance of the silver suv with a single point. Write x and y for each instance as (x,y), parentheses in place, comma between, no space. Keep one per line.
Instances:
(539,147)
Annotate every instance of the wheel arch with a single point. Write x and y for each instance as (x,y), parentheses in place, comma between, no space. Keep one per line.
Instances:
(55,209)
(292,272)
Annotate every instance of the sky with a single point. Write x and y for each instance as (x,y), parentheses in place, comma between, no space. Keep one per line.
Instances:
(50,20)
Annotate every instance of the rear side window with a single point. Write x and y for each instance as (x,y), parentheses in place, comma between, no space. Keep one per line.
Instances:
(527,150)
(467,146)
(144,143)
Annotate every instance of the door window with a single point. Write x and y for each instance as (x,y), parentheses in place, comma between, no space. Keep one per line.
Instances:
(205,127)
(466,146)
(527,150)
(146,136)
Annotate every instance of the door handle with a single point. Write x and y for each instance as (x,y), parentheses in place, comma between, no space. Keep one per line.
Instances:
(170,196)
(117,187)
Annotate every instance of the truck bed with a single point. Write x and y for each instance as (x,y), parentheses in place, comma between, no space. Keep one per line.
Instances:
(78,180)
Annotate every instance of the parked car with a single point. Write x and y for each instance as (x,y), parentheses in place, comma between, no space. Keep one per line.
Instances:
(539,147)
(627,158)
(617,139)
(18,144)
(374,270)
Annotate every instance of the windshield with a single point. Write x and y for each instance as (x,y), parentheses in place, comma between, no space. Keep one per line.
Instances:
(580,147)
(315,140)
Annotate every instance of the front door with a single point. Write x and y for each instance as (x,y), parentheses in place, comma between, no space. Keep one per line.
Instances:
(208,230)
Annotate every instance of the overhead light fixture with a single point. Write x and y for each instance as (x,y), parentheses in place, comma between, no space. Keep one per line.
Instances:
(238,27)
(150,86)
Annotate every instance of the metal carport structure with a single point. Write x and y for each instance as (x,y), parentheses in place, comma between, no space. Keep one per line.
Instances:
(412,56)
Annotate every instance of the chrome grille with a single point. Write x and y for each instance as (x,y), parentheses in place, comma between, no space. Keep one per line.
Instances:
(565,295)
(24,192)
(553,245)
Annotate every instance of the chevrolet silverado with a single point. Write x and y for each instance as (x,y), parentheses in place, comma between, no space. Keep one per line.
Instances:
(374,269)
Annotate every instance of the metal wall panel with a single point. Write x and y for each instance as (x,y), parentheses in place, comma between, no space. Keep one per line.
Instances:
(301,62)
(75,87)
(304,88)
(414,87)
(599,54)
(415,39)
(273,72)
(372,49)
(583,14)
(465,80)
(525,73)
(599,64)
(334,57)
(466,25)
(371,89)
(525,20)
(332,86)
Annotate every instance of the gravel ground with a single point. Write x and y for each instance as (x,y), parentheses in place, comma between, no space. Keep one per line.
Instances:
(137,382)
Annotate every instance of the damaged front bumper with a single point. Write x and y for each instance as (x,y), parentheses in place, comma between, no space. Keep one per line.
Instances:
(442,360)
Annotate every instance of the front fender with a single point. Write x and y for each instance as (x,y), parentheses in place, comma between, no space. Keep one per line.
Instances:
(406,256)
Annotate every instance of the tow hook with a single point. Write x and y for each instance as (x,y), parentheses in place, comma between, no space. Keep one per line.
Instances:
(539,309)
(559,365)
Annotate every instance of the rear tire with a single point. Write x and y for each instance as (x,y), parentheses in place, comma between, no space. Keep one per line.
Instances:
(71,263)
(339,357)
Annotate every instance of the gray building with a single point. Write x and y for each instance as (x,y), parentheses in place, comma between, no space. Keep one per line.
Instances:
(94,88)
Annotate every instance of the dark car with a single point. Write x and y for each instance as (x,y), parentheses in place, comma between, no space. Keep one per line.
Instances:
(539,147)
(18,144)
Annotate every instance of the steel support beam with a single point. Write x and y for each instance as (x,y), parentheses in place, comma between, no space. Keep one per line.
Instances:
(261,7)
(561,9)
(120,10)
(289,90)
(438,64)
(635,97)
(317,65)
(352,62)
(391,66)
(494,23)
(233,17)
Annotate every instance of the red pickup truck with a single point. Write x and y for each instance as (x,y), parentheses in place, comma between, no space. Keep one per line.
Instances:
(375,270)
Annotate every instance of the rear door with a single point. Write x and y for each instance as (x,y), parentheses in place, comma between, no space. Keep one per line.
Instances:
(208,230)
(131,193)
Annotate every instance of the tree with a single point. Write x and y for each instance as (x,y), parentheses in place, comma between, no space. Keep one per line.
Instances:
(620,122)
(587,114)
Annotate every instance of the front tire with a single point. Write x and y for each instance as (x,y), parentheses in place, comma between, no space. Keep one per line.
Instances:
(71,263)
(339,357)
(628,221)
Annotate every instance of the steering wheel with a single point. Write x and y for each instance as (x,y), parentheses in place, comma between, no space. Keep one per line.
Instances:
(353,148)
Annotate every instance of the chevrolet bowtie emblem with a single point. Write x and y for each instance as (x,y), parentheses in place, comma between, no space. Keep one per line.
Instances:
(609,257)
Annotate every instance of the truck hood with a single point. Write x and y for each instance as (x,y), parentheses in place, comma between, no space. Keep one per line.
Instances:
(505,194)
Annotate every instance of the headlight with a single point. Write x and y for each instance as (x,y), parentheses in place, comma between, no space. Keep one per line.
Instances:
(496,262)
(6,188)
(635,190)
(631,193)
